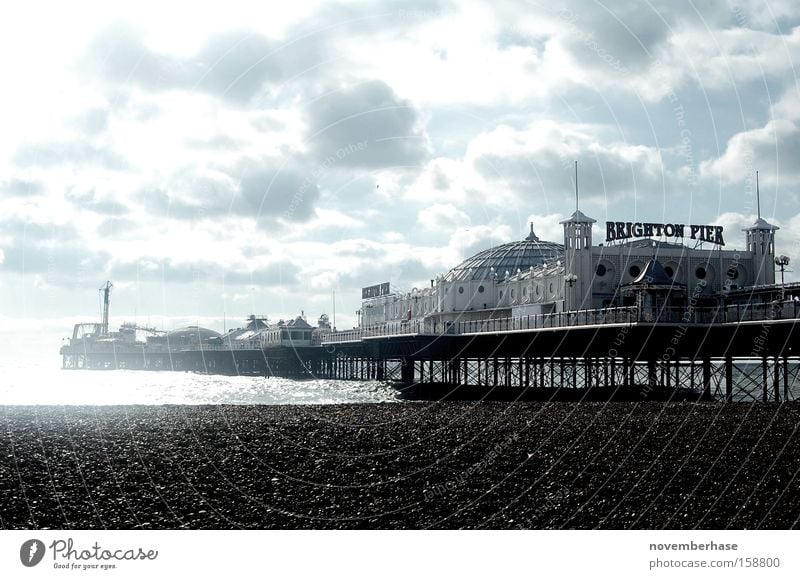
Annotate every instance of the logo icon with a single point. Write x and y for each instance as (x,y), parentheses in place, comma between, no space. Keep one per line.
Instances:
(31,552)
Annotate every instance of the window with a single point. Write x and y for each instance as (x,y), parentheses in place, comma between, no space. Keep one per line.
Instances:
(501,294)
(700,272)
(480,289)
(461,289)
(512,293)
(525,291)
(601,270)
(733,272)
(634,270)
(669,271)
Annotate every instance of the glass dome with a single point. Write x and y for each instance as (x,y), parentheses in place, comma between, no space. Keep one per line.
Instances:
(509,257)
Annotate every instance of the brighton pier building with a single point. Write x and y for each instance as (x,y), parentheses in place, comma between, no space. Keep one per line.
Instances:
(650,266)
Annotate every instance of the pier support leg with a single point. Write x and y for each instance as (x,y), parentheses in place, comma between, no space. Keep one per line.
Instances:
(652,374)
(776,388)
(785,379)
(407,370)
(764,380)
(706,378)
(728,379)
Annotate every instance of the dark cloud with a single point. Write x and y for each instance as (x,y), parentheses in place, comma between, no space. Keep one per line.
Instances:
(604,172)
(621,36)
(50,154)
(60,264)
(270,192)
(366,125)
(261,189)
(234,65)
(21,187)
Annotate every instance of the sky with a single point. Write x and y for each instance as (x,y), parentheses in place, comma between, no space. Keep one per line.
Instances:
(218,161)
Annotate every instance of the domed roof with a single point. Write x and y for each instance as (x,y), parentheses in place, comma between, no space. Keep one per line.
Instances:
(192,334)
(509,257)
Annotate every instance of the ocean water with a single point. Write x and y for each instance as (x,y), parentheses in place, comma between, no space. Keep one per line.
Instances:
(31,383)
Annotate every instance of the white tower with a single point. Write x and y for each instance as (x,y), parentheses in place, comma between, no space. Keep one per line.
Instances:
(761,244)
(578,271)
(578,267)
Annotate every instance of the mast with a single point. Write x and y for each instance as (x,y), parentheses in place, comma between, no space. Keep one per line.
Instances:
(758,197)
(576,186)
(106,289)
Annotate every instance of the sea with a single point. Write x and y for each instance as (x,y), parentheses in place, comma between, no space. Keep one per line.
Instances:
(43,383)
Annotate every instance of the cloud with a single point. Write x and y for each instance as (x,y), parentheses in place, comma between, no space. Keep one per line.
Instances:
(442,216)
(75,152)
(537,162)
(774,150)
(21,187)
(150,270)
(365,125)
(276,192)
(233,65)
(88,200)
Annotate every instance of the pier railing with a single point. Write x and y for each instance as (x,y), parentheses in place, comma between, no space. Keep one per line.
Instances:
(735,313)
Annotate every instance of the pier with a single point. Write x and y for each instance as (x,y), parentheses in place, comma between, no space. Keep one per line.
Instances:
(736,352)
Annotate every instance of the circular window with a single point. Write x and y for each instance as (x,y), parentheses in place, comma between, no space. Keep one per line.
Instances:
(525,291)
(461,289)
(700,272)
(634,270)
(538,290)
(733,272)
(512,294)
(601,270)
(551,287)
(480,289)
(669,271)
(501,294)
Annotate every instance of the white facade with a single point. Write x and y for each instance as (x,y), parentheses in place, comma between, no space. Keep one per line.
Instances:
(574,276)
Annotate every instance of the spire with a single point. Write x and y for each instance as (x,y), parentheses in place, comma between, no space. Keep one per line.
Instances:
(576,186)
(578,217)
(758,197)
(532,236)
(760,224)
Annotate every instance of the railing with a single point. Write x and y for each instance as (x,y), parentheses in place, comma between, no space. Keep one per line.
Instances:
(787,310)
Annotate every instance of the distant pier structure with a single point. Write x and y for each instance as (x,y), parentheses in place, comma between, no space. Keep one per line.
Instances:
(657,311)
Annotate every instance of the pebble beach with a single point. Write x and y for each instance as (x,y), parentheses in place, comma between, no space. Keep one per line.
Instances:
(473,465)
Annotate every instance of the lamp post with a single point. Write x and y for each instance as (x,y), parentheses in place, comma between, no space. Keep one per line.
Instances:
(782,261)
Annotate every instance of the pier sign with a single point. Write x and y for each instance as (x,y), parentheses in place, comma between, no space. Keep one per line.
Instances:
(375,291)
(616,230)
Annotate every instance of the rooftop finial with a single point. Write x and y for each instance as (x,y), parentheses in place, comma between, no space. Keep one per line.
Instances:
(758,197)
(532,236)
(576,186)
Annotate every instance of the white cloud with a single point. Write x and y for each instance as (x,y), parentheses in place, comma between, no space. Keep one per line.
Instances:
(442,217)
